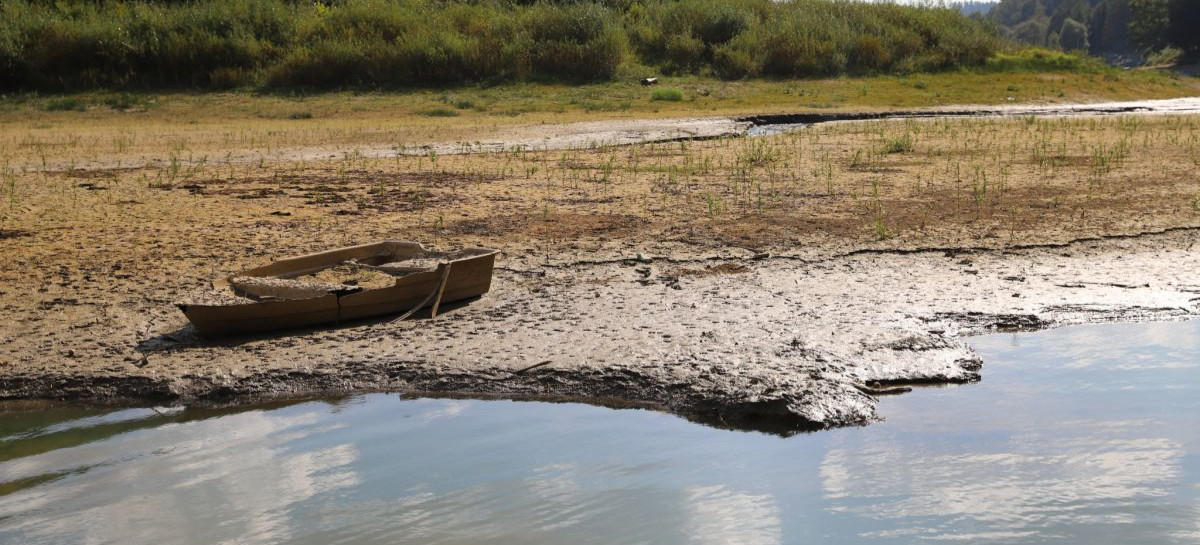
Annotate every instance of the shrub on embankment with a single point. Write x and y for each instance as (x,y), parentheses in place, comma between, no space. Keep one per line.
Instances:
(212,44)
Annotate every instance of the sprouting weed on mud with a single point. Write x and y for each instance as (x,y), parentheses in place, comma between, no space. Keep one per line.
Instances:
(979,186)
(10,186)
(714,204)
(758,152)
(900,144)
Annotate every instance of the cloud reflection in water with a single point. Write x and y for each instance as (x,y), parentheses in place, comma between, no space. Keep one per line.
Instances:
(230,478)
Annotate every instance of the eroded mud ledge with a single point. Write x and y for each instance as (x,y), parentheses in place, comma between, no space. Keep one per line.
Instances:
(782,343)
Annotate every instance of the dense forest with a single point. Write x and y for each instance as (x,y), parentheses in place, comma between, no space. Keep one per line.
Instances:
(972,7)
(1103,27)
(205,44)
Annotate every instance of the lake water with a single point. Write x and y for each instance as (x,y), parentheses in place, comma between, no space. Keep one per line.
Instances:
(1084,434)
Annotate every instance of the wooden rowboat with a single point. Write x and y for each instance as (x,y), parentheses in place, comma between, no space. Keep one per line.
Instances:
(275,296)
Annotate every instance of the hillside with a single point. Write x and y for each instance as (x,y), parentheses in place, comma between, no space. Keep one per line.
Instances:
(214,44)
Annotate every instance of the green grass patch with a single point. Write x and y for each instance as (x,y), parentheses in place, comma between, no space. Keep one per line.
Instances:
(128,101)
(438,112)
(1042,60)
(542,102)
(667,95)
(65,104)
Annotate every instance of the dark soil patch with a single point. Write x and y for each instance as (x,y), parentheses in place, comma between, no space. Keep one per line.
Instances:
(13,233)
(876,169)
(551,226)
(756,231)
(1065,161)
(103,173)
(365,178)
(367,190)
(583,200)
(405,200)
(711,270)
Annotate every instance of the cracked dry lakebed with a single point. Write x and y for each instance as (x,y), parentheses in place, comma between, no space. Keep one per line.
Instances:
(781,282)
(779,343)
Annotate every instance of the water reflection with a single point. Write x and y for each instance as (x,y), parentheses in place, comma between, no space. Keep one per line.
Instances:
(718,515)
(169,484)
(1075,435)
(1031,483)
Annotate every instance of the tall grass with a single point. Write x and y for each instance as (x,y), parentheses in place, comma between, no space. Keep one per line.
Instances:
(209,44)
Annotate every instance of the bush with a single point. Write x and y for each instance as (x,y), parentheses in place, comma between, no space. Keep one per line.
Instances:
(217,44)
(575,41)
(683,54)
(869,52)
(735,61)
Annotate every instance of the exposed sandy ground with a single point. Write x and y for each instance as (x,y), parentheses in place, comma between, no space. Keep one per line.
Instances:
(888,241)
(542,136)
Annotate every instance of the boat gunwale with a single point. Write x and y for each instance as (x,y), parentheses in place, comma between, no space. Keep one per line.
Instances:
(473,253)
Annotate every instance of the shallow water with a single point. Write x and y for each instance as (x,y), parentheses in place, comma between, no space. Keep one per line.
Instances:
(1172,106)
(1077,435)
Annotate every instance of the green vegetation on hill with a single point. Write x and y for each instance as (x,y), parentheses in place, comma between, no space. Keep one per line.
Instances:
(1124,27)
(213,44)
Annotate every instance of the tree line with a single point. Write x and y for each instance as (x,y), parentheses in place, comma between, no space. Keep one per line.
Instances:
(1103,27)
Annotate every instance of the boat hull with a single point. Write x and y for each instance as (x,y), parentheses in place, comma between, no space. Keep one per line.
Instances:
(465,278)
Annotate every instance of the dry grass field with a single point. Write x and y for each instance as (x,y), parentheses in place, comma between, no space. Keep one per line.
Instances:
(983,181)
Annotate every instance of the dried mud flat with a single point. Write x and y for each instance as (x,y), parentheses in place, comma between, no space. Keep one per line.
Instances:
(627,131)
(781,283)
(779,343)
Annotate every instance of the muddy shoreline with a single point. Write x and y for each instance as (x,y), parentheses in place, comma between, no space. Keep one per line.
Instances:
(1146,107)
(774,343)
(779,284)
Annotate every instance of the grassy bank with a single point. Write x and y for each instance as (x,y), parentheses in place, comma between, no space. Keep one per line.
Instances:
(465,112)
(216,44)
